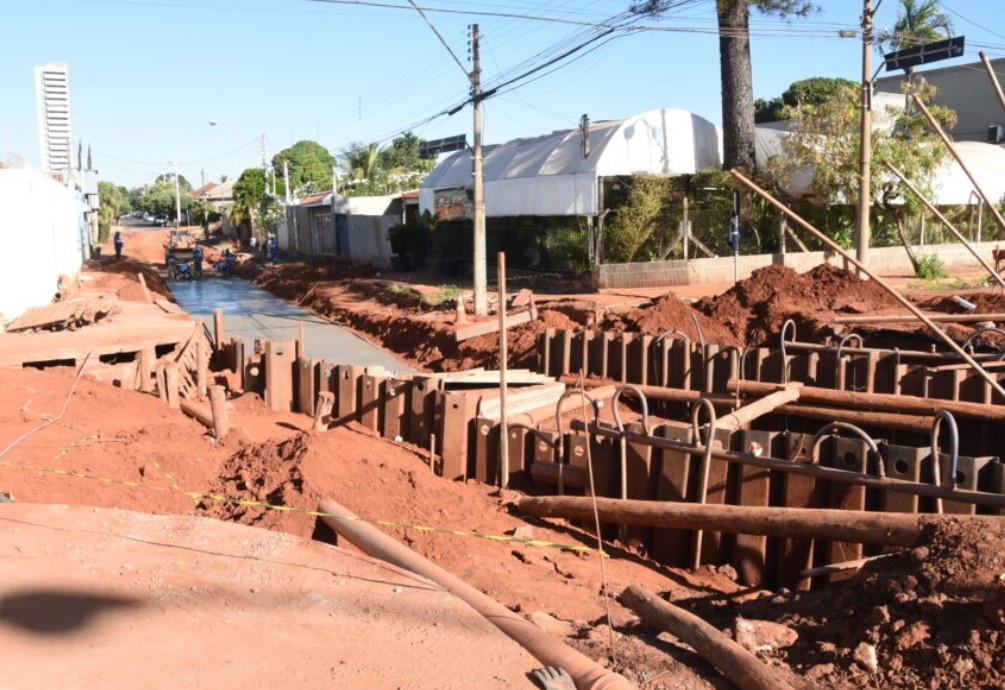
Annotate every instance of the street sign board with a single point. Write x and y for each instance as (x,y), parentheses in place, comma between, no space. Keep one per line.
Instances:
(433,148)
(929,52)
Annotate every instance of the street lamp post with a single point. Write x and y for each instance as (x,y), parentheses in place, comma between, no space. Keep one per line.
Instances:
(177,196)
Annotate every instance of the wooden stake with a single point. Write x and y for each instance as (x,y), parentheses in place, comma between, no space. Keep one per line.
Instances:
(732,660)
(503,366)
(146,290)
(171,380)
(218,404)
(218,332)
(201,366)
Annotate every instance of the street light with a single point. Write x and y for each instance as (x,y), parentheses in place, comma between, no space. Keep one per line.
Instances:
(218,123)
(177,196)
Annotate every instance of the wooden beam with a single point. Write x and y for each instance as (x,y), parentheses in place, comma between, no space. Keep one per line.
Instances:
(905,318)
(885,529)
(732,660)
(884,402)
(486,327)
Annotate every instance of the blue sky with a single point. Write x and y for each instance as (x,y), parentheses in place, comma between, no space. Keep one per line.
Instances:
(146,76)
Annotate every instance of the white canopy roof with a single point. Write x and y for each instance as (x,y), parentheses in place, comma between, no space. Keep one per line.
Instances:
(549,175)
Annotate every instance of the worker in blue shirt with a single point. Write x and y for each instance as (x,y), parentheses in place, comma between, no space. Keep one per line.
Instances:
(117,242)
(197,260)
(273,246)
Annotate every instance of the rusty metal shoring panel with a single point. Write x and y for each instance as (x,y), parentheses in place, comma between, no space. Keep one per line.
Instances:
(837,359)
(621,428)
(835,426)
(706,462)
(654,345)
(954,452)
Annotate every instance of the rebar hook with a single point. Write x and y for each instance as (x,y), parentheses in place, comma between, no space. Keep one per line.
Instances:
(642,398)
(834,426)
(837,359)
(781,346)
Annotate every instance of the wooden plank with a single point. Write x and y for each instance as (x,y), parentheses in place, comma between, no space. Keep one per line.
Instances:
(486,327)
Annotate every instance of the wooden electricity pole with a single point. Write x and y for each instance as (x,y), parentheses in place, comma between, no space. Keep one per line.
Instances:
(480,270)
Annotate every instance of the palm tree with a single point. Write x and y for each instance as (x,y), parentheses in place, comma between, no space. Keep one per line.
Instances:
(919,22)
(362,163)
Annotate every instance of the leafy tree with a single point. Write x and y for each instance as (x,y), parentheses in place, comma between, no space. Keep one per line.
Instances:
(825,141)
(402,163)
(114,203)
(159,198)
(310,166)
(641,214)
(735,67)
(806,91)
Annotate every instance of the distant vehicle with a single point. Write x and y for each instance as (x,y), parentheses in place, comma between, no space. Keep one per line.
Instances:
(161,221)
(148,217)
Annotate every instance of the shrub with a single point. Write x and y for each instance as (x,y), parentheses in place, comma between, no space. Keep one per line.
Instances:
(930,267)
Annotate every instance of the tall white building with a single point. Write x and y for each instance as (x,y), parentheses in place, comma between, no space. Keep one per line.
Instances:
(52,92)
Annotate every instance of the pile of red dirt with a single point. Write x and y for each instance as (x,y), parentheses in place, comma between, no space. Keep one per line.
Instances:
(756,308)
(670,313)
(931,617)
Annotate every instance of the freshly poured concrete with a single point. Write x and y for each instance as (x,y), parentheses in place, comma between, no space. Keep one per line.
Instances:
(251,313)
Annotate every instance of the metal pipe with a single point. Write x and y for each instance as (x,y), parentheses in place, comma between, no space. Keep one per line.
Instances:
(879,281)
(994,79)
(892,318)
(544,647)
(976,333)
(658,361)
(946,222)
(980,498)
(959,159)
(954,452)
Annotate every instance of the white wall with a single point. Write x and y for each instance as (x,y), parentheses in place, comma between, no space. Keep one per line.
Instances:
(41,230)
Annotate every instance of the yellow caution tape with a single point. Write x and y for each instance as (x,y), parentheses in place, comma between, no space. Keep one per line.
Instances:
(196,496)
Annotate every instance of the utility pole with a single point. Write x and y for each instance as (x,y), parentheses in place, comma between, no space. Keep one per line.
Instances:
(286,179)
(865,146)
(205,204)
(480,278)
(177,197)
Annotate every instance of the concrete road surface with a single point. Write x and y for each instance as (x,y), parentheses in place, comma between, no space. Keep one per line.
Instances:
(251,313)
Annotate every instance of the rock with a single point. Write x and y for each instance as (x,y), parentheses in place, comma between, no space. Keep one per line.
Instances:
(763,636)
(913,634)
(879,615)
(865,656)
(521,532)
(820,671)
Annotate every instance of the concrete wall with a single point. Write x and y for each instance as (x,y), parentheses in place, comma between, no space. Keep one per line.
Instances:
(884,260)
(43,233)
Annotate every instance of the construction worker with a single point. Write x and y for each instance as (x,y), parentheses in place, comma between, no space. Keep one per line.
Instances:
(197,260)
(117,242)
(273,246)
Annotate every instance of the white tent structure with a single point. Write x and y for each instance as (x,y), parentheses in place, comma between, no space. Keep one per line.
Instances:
(552,175)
